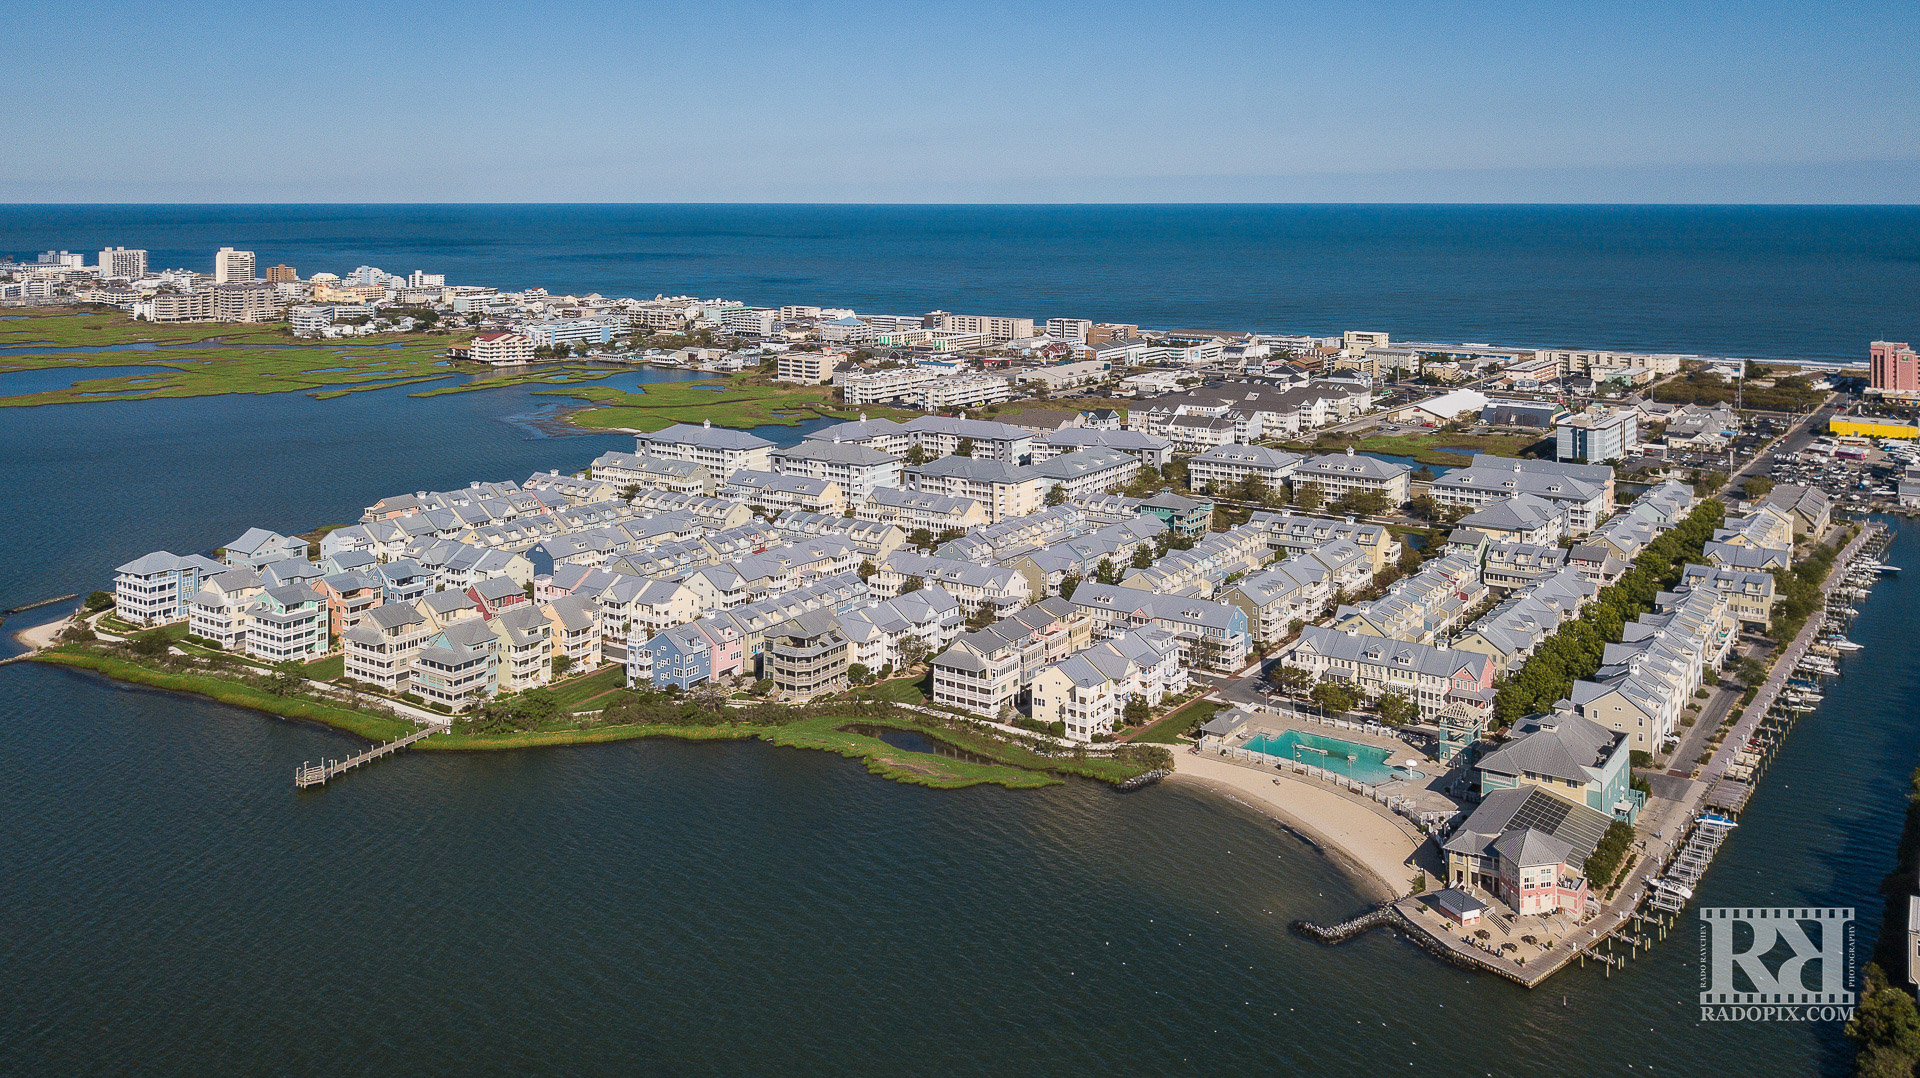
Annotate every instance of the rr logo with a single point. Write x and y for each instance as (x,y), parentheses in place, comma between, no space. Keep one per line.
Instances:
(1786,982)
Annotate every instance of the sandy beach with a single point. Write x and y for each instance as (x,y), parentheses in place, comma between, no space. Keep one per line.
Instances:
(40,636)
(1363,842)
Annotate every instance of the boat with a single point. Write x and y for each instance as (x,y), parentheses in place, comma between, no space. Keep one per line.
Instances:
(1844,644)
(1887,569)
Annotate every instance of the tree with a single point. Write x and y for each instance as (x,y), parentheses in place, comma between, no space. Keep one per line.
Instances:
(913,652)
(1333,697)
(1290,679)
(1137,710)
(1068,584)
(1105,573)
(1362,503)
(1423,507)
(1057,495)
(562,664)
(1142,558)
(1886,1019)
(921,538)
(1757,487)
(710,696)
(858,674)
(1397,710)
(629,492)
(964,449)
(912,584)
(867,569)
(1310,496)
(916,454)
(152,643)
(981,618)
(98,601)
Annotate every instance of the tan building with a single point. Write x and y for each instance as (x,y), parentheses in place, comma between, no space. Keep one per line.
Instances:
(232,267)
(281,274)
(502,349)
(806,368)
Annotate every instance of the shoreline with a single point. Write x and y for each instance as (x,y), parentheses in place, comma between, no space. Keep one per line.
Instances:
(819,733)
(1366,848)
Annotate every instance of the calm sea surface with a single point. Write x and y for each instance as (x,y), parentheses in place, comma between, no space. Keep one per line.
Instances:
(171,906)
(1759,281)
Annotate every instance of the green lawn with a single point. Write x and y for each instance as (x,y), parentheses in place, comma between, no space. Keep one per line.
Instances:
(900,690)
(331,668)
(579,688)
(1168,730)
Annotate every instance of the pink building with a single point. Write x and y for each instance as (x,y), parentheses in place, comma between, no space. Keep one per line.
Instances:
(1895,368)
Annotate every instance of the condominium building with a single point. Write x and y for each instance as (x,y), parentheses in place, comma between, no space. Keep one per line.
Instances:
(1351,473)
(281,274)
(722,451)
(502,349)
(130,263)
(181,306)
(1006,490)
(806,368)
(1086,471)
(245,303)
(1431,677)
(808,656)
(380,650)
(912,510)
(1893,369)
(1069,329)
(287,624)
(1225,467)
(856,469)
(1597,434)
(964,391)
(877,387)
(1583,491)
(991,327)
(649,472)
(232,267)
(156,589)
(569,331)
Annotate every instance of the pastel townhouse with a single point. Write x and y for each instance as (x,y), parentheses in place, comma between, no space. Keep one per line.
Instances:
(876,633)
(1088,693)
(1528,848)
(1567,755)
(348,596)
(495,595)
(524,656)
(218,612)
(258,546)
(1433,678)
(380,649)
(402,580)
(680,656)
(575,630)
(155,589)
(456,667)
(287,624)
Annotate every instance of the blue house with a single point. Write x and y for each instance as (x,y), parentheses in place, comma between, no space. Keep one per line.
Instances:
(682,656)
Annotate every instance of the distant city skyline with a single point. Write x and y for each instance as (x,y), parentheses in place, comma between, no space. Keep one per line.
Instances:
(840,101)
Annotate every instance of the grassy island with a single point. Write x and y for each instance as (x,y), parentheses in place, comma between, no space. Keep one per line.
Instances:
(950,751)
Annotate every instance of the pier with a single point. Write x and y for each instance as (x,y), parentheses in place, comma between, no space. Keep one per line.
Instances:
(309,774)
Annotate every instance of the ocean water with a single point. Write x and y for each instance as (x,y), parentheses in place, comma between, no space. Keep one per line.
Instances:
(1762,281)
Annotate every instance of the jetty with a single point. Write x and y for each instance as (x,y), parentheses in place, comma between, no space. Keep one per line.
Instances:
(312,774)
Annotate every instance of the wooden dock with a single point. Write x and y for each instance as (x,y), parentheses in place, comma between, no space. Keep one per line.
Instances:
(309,774)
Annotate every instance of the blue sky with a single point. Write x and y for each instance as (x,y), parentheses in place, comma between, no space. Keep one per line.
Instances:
(960,102)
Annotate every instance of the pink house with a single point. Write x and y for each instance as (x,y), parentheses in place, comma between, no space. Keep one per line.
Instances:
(1894,368)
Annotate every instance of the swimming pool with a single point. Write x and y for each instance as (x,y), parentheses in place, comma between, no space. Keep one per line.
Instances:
(1362,763)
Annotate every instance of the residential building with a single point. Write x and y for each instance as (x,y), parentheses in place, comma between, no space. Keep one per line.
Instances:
(975,587)
(1584,491)
(913,510)
(1597,434)
(1566,755)
(778,492)
(1086,471)
(1224,468)
(859,387)
(574,630)
(649,472)
(1004,490)
(502,349)
(1298,588)
(1339,475)
(722,451)
(1072,330)
(287,624)
(856,469)
(380,649)
(1893,369)
(217,610)
(457,666)
(156,589)
(1422,607)
(876,633)
(1297,533)
(1433,678)
(1151,450)
(1810,507)
(987,672)
(1088,693)
(348,598)
(524,655)
(258,546)
(1211,635)
(807,656)
(1521,518)
(1750,593)
(123,262)
(232,267)
(806,368)
(568,331)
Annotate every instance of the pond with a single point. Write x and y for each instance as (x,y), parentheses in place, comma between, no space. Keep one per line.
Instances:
(915,741)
